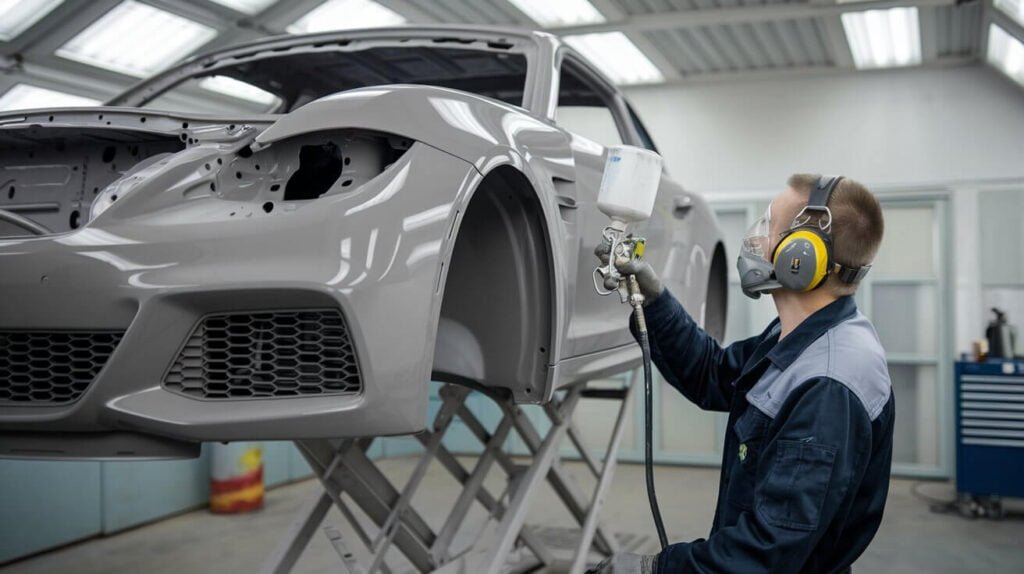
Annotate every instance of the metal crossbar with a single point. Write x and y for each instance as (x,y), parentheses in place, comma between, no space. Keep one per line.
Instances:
(343,466)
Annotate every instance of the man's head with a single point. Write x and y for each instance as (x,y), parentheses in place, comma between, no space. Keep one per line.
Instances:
(854,225)
(857,223)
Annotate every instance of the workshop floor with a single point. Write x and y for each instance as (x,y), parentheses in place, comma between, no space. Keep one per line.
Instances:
(911,539)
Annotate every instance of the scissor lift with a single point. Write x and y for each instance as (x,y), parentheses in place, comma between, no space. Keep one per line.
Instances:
(504,543)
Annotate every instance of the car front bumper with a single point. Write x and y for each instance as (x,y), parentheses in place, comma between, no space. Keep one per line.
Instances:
(156,280)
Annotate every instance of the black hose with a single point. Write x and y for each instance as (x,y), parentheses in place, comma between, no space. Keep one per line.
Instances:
(652,497)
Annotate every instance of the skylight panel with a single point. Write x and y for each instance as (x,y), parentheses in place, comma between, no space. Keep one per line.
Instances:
(617,56)
(246,6)
(136,39)
(346,15)
(1012,8)
(883,38)
(16,16)
(238,89)
(1006,53)
(27,96)
(559,13)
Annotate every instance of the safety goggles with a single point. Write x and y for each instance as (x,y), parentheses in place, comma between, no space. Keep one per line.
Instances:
(757,240)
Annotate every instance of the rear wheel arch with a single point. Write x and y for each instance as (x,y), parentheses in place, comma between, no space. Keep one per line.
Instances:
(496,323)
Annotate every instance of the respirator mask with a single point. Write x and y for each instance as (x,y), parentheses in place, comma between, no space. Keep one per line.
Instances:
(755,261)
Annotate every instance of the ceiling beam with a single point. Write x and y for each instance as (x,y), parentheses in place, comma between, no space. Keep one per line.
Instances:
(62,80)
(103,88)
(1006,23)
(270,22)
(785,73)
(609,9)
(928,23)
(835,39)
(739,15)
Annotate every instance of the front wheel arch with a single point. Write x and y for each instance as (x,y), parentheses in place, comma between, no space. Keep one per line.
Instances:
(498,307)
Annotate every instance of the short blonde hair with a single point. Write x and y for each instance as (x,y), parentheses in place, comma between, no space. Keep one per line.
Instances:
(857,225)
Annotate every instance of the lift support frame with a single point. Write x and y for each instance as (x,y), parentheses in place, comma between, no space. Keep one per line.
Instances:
(343,465)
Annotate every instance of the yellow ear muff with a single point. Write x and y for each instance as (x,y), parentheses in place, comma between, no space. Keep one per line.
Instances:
(820,255)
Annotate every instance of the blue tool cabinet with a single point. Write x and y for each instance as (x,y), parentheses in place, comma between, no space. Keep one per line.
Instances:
(990,428)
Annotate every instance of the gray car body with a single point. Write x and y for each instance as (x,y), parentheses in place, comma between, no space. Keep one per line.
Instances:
(468,258)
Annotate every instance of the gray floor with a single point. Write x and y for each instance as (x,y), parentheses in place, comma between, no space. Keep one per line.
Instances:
(911,540)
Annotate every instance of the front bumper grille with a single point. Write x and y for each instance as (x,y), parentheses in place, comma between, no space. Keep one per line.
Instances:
(268,354)
(51,367)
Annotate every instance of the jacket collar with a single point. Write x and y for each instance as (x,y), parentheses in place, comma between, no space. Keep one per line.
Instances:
(813,327)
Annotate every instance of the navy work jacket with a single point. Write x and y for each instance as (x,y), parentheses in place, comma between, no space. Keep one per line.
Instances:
(805,471)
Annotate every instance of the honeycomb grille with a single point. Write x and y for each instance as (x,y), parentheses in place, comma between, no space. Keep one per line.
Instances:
(51,367)
(273,354)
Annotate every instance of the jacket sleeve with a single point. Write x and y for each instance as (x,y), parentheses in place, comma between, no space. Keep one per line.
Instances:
(690,359)
(806,468)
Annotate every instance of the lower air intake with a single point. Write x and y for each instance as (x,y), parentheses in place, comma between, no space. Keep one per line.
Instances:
(51,367)
(272,354)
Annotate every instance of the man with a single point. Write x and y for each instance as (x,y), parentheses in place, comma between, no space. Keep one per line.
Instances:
(805,471)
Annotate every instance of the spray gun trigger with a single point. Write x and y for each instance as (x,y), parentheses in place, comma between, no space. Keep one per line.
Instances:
(638,247)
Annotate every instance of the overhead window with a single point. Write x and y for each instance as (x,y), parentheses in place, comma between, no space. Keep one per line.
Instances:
(1006,53)
(883,38)
(136,39)
(16,16)
(346,15)
(557,14)
(26,96)
(246,6)
(617,56)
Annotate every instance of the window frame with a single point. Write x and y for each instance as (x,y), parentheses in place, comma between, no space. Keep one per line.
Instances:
(609,94)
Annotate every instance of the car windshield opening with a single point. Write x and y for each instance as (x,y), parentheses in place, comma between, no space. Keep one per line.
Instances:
(281,83)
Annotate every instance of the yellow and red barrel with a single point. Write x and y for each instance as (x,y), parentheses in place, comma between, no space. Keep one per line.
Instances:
(236,477)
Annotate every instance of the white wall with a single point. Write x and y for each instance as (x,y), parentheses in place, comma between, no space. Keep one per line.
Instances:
(957,129)
(892,128)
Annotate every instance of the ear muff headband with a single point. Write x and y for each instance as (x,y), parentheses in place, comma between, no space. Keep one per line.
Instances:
(803,257)
(798,249)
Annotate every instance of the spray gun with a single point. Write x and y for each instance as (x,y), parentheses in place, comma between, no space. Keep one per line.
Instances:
(628,190)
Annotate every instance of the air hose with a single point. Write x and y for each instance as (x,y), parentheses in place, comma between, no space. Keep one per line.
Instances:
(636,300)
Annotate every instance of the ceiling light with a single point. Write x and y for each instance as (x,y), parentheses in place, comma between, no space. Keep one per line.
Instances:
(238,89)
(617,56)
(25,96)
(883,38)
(1006,53)
(16,16)
(556,13)
(246,6)
(136,39)
(1013,8)
(346,15)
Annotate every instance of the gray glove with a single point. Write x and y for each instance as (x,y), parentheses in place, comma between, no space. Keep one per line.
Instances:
(650,284)
(627,563)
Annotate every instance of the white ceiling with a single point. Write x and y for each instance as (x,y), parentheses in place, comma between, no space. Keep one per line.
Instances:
(688,40)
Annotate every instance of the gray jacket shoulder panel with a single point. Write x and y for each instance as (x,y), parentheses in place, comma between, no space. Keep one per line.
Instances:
(849,353)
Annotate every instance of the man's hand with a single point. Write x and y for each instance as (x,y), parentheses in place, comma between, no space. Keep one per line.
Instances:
(626,563)
(650,284)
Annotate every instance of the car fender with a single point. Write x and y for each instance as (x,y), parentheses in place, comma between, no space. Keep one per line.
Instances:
(485,133)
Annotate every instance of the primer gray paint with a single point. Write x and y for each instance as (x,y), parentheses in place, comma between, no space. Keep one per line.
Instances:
(206,229)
